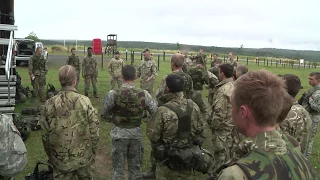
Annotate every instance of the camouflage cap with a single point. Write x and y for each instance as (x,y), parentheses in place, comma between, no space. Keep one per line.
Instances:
(146,50)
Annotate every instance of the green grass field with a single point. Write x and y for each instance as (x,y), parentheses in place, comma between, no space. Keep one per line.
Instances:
(103,159)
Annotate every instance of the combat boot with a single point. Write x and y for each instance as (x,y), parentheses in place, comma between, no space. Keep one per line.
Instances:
(95,95)
(151,174)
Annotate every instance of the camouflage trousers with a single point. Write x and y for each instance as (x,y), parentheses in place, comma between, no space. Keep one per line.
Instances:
(313,134)
(78,78)
(148,86)
(83,173)
(222,142)
(116,80)
(164,173)
(210,97)
(126,150)
(87,80)
(197,98)
(14,165)
(38,85)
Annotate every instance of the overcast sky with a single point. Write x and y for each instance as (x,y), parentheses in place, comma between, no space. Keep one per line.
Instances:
(287,24)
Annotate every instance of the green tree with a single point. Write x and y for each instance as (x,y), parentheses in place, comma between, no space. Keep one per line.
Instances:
(33,36)
(178,45)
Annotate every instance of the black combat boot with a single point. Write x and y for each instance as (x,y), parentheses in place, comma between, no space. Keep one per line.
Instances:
(151,174)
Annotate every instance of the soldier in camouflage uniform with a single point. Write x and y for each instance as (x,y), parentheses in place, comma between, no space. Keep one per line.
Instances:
(215,60)
(257,101)
(13,152)
(74,61)
(38,69)
(297,122)
(221,119)
(163,128)
(90,72)
(232,61)
(200,58)
(310,100)
(115,67)
(177,61)
(124,108)
(70,130)
(147,71)
(162,95)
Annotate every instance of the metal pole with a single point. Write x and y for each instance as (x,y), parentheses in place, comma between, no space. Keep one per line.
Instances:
(101,60)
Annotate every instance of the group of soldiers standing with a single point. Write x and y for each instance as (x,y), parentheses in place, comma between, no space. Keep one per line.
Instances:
(258,130)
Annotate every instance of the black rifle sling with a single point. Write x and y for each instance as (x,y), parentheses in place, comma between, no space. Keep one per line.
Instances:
(184,119)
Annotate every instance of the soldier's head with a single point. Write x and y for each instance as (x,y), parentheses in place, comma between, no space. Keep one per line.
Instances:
(175,83)
(241,70)
(89,51)
(146,53)
(201,51)
(218,62)
(39,51)
(287,104)
(117,54)
(257,101)
(73,51)
(314,78)
(293,84)
(68,76)
(128,73)
(225,71)
(177,61)
(215,56)
(230,55)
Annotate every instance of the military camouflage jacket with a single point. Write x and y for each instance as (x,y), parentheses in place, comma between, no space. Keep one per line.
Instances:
(273,143)
(90,66)
(38,65)
(115,67)
(221,115)
(107,113)
(314,102)
(298,125)
(75,62)
(232,61)
(147,69)
(12,148)
(187,91)
(164,123)
(70,129)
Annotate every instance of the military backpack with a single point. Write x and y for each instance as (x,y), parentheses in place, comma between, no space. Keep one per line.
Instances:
(41,175)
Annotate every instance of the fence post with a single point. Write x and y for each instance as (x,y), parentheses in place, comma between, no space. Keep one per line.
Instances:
(84,49)
(141,56)
(164,56)
(132,57)
(126,56)
(224,58)
(271,62)
(267,62)
(247,61)
(101,60)
(258,61)
(264,61)
(158,62)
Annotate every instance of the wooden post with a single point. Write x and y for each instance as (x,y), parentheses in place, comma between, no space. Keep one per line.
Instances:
(247,61)
(158,62)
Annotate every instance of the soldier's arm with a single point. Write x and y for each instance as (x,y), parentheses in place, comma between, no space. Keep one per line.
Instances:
(155,125)
(151,104)
(286,126)
(220,109)
(108,104)
(162,86)
(46,65)
(190,88)
(314,101)
(30,66)
(306,132)
(93,126)
(232,173)
(154,71)
(110,68)
(45,129)
(197,123)
(139,70)
(96,65)
(83,66)
(67,61)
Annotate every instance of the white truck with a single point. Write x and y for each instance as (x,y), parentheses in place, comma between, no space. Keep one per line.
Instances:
(24,48)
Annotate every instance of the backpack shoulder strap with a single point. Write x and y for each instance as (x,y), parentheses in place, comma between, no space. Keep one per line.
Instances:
(184,119)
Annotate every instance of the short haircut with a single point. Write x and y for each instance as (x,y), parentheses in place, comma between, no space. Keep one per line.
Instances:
(263,92)
(242,69)
(315,74)
(89,48)
(227,69)
(286,107)
(129,72)
(73,49)
(67,74)
(219,61)
(177,59)
(175,83)
(216,54)
(293,84)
